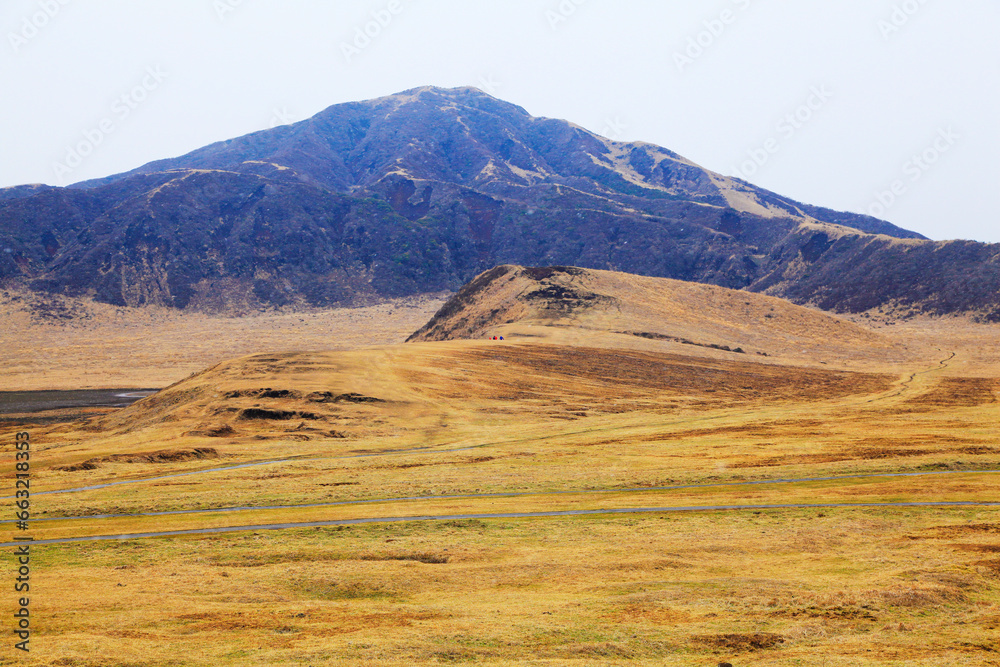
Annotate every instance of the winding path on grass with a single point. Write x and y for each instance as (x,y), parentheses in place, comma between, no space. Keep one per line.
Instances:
(905,384)
(510,515)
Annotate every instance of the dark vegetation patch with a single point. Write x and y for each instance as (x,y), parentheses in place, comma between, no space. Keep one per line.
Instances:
(407,466)
(683,341)
(336,590)
(165,456)
(546,272)
(53,309)
(740,642)
(979,451)
(794,459)
(959,530)
(250,560)
(979,647)
(959,392)
(565,298)
(605,650)
(912,597)
(849,613)
(266,392)
(276,415)
(760,429)
(876,453)
(162,456)
(540,371)
(86,465)
(330,397)
(457,655)
(978,548)
(461,523)
(429,558)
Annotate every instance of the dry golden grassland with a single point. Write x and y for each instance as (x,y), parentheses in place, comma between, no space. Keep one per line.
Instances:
(563,416)
(66,343)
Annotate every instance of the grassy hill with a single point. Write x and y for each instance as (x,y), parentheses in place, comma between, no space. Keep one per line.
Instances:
(587,306)
(608,485)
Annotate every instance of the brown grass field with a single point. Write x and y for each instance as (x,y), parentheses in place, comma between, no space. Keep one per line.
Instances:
(388,446)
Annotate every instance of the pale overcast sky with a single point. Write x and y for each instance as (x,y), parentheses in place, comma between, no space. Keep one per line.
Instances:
(882,106)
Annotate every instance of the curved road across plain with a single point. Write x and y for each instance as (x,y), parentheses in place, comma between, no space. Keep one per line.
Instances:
(512,494)
(511,515)
(252,464)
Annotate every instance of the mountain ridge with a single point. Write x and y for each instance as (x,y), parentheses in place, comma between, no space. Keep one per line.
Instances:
(421,191)
(231,154)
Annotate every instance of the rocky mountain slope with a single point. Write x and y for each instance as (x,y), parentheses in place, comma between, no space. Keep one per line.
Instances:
(419,192)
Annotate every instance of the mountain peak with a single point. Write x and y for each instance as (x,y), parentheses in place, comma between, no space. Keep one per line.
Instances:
(422,190)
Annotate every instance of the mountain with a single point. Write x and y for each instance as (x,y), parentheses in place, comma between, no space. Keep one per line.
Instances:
(421,191)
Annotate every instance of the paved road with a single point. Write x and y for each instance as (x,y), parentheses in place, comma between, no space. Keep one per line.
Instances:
(644,489)
(513,515)
(205,471)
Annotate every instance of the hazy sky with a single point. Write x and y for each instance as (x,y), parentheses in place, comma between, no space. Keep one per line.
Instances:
(883,106)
